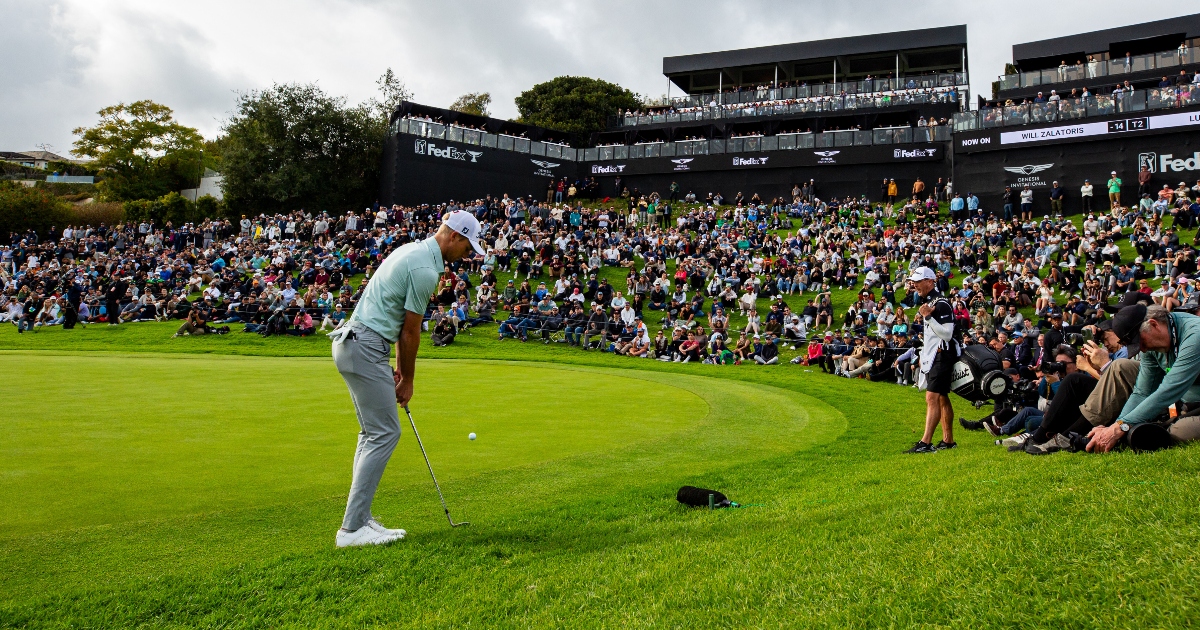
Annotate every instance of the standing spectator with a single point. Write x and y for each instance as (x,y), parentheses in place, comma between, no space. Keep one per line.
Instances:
(1085,196)
(1114,190)
(1056,199)
(1143,181)
(112,297)
(957,206)
(1026,203)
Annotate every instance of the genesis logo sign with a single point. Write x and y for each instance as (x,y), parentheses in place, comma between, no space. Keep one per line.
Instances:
(424,147)
(543,168)
(1028,169)
(754,161)
(612,169)
(1168,162)
(1029,175)
(681,164)
(826,157)
(914,153)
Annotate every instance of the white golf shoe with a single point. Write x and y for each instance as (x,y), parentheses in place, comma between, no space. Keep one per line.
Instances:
(366,535)
(377,526)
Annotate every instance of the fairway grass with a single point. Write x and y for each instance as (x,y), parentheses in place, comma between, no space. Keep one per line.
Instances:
(172,490)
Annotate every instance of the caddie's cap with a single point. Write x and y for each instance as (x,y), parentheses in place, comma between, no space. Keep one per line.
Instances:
(922,273)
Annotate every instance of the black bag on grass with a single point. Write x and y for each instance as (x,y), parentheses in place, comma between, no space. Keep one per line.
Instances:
(698,497)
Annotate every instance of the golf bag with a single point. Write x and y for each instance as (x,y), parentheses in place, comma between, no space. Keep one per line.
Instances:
(979,374)
(698,497)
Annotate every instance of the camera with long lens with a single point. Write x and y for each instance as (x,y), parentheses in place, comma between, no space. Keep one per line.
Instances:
(1054,367)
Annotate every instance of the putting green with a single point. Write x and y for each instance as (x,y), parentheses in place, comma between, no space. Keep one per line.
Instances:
(91,439)
(133,467)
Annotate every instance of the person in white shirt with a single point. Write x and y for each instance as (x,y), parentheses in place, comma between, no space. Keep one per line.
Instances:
(561,286)
(1085,195)
(628,314)
(12,312)
(748,303)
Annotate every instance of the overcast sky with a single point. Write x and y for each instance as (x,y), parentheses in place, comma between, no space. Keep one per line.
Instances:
(64,60)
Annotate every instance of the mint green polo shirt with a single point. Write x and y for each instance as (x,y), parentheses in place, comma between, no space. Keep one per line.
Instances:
(403,283)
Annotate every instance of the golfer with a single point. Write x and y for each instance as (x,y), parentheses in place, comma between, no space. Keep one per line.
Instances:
(389,312)
(938,356)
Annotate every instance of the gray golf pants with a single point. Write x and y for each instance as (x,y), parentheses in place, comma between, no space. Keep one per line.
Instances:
(361,356)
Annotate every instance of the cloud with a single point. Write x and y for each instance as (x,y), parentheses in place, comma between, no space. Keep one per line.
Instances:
(69,58)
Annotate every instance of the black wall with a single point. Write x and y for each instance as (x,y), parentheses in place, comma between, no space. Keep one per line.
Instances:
(419,170)
(977,162)
(837,171)
(981,166)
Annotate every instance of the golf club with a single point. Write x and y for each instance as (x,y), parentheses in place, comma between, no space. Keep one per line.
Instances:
(430,467)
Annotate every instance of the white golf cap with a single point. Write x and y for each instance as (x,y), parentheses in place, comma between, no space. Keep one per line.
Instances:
(467,225)
(922,273)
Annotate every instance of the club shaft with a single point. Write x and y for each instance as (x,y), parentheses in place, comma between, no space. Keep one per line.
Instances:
(428,465)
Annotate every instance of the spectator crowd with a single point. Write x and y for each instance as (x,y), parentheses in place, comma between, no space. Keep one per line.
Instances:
(812,282)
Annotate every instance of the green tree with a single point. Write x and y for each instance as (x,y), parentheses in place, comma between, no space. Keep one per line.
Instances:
(574,104)
(293,146)
(473,103)
(142,150)
(392,92)
(23,208)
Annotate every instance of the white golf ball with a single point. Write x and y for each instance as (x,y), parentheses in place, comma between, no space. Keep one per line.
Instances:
(471,436)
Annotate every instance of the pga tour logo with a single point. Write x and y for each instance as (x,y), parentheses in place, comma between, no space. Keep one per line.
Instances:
(681,164)
(424,147)
(1161,163)
(914,153)
(607,170)
(754,161)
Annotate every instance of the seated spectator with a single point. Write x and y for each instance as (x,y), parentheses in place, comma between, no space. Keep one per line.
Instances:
(443,333)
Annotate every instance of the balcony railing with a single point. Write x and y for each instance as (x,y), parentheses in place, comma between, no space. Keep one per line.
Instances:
(1101,68)
(837,103)
(780,142)
(729,97)
(1076,108)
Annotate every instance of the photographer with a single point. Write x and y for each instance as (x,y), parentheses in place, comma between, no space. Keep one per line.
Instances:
(443,334)
(1167,378)
(1090,397)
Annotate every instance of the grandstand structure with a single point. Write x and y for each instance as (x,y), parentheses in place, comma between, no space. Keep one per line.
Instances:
(847,113)
(1084,106)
